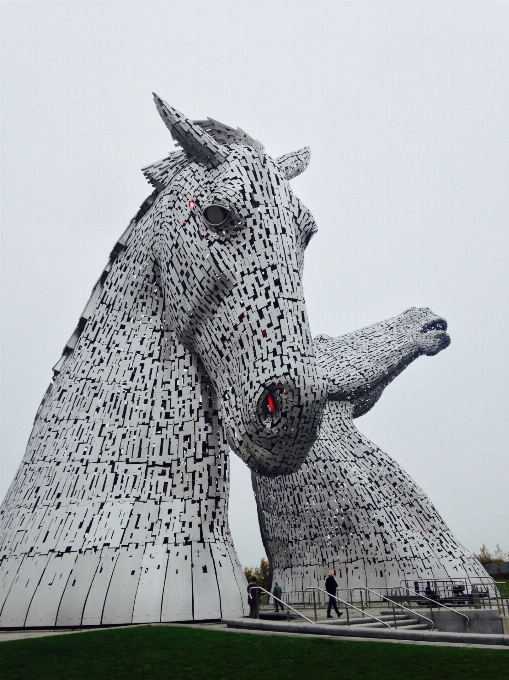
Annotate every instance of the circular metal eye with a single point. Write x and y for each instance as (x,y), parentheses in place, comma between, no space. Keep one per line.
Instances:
(216,215)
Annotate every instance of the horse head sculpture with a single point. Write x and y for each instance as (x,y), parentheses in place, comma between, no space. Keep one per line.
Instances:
(360,513)
(195,337)
(229,237)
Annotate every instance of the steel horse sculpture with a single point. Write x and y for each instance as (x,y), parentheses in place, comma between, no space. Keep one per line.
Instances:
(195,339)
(351,507)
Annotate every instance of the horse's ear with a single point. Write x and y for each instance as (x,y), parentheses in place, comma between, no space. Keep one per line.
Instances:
(294,163)
(193,139)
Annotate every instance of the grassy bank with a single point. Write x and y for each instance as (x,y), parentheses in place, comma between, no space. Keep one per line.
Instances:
(157,652)
(503,586)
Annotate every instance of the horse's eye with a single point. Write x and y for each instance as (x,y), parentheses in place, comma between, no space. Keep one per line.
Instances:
(216,215)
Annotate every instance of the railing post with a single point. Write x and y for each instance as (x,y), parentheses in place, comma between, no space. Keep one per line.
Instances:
(314,603)
(362,606)
(394,616)
(500,594)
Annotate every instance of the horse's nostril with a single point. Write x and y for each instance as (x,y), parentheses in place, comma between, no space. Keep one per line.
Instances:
(437,325)
(269,407)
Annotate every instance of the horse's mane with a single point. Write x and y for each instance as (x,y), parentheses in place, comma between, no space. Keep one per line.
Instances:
(160,173)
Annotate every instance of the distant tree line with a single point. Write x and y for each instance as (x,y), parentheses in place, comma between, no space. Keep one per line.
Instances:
(496,562)
(261,573)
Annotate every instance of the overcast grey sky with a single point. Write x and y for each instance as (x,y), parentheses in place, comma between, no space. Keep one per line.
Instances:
(405,106)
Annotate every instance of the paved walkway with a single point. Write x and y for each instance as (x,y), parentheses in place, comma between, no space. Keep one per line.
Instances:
(9,636)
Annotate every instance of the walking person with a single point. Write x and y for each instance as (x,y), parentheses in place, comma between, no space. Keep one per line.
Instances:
(253,598)
(277,592)
(331,586)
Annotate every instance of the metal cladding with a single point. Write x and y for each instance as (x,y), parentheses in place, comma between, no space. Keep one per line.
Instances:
(195,338)
(197,144)
(351,507)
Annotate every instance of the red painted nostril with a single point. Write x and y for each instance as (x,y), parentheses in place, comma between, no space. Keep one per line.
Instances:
(270,404)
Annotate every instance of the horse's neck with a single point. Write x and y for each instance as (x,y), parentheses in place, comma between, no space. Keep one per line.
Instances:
(132,410)
(363,465)
(127,355)
(118,356)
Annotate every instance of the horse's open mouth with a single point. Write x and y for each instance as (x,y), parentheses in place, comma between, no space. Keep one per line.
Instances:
(435,325)
(438,329)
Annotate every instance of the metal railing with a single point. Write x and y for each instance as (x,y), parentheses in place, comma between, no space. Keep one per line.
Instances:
(447,590)
(440,604)
(384,597)
(455,592)
(258,588)
(451,588)
(304,599)
(348,604)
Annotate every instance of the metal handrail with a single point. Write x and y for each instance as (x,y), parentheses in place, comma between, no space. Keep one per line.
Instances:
(348,604)
(484,581)
(436,603)
(412,611)
(285,604)
(491,591)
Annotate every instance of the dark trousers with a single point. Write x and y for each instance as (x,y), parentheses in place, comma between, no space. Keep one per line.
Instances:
(332,603)
(278,604)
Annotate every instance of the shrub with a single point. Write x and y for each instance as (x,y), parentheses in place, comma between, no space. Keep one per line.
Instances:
(261,573)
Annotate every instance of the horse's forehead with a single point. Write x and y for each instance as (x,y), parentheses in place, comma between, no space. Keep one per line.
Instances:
(248,165)
(246,159)
(244,172)
(302,210)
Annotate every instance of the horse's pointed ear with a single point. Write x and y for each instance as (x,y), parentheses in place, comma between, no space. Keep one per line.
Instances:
(193,139)
(294,163)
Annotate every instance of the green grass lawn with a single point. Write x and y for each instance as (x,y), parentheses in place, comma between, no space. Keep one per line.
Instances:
(156,652)
(501,581)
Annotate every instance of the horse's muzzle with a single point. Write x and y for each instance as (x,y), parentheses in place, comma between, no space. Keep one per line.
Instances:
(280,425)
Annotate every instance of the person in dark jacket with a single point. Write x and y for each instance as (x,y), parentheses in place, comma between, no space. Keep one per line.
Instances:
(429,592)
(253,598)
(277,592)
(331,586)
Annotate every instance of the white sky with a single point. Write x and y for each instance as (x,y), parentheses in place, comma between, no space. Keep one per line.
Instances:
(405,106)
